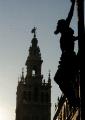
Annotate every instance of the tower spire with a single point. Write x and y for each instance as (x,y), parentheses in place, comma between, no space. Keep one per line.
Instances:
(34,60)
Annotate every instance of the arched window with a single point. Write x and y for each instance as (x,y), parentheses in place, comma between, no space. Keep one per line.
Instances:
(33,72)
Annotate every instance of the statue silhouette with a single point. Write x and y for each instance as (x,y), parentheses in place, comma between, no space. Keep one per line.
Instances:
(63,26)
(65,76)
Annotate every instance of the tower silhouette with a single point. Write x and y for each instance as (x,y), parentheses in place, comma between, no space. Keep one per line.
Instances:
(33,97)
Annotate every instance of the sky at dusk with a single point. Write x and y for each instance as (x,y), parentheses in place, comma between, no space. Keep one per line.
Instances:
(17,18)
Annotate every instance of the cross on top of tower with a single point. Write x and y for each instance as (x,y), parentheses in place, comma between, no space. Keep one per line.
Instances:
(34,31)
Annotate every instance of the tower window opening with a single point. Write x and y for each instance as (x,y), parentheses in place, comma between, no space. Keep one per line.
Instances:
(33,72)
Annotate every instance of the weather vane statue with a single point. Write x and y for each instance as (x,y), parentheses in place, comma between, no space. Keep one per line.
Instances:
(67,71)
(34,31)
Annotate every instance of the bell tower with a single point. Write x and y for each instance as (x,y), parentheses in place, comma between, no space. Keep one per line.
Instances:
(33,96)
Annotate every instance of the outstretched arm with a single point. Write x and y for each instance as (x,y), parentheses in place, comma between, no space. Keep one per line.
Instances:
(68,19)
(75,38)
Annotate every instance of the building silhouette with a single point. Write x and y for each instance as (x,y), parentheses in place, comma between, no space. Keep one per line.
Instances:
(33,97)
(64,110)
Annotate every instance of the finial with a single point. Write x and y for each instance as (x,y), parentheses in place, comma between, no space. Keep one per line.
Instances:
(22,77)
(49,73)
(34,31)
(58,99)
(44,81)
(55,106)
(49,79)
(22,71)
